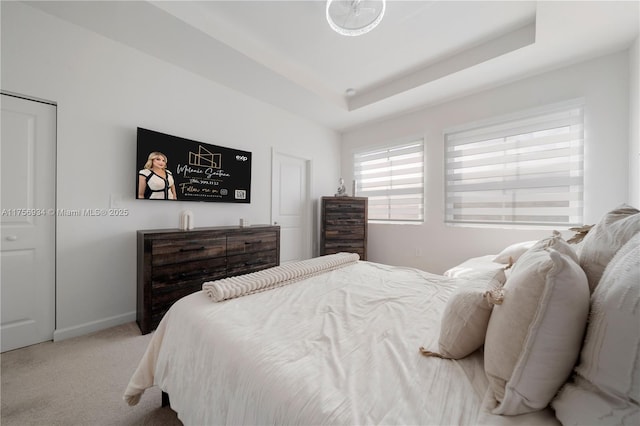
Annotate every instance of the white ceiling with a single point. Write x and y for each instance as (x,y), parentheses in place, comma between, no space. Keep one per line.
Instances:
(423,52)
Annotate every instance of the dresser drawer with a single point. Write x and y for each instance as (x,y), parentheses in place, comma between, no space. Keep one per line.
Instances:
(251,262)
(344,220)
(344,232)
(175,273)
(345,244)
(251,243)
(171,251)
(162,301)
(344,206)
(337,212)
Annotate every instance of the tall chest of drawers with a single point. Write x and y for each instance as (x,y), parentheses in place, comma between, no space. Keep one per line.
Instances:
(174,263)
(344,225)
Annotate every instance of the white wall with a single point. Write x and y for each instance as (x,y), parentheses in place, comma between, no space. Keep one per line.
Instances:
(104,90)
(634,124)
(604,85)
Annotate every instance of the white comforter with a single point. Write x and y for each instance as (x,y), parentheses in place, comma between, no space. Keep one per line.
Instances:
(336,348)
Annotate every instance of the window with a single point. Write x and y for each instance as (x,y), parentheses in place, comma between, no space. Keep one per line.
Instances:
(524,171)
(393,179)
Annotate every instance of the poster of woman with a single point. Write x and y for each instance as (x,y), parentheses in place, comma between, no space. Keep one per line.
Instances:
(155,181)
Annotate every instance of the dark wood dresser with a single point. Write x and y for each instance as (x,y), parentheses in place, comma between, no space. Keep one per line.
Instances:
(344,225)
(174,263)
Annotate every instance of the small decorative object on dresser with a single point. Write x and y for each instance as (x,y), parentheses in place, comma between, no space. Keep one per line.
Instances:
(186,220)
(173,264)
(342,190)
(344,225)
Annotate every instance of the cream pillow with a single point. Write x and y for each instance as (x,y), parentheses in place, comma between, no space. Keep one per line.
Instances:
(464,322)
(556,242)
(606,389)
(513,252)
(605,239)
(534,336)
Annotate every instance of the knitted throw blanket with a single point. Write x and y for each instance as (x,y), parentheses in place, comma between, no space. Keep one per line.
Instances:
(242,285)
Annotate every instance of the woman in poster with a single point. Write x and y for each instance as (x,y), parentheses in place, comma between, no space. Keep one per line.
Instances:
(155,182)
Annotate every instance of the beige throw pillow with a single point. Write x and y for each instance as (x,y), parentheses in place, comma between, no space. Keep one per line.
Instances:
(556,242)
(534,336)
(464,322)
(605,239)
(606,388)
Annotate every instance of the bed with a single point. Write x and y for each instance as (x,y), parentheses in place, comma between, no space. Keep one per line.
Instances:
(354,342)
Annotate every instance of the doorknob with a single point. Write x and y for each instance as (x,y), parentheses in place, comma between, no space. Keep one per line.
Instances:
(12,238)
(275,223)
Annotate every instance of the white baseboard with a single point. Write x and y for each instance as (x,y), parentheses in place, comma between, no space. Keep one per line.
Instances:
(91,327)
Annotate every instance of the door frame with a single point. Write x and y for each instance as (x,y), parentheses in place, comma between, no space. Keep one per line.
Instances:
(307,228)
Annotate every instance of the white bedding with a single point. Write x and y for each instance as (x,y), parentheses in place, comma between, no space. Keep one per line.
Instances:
(336,348)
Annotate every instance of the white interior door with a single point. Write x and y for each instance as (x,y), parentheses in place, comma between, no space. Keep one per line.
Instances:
(27,259)
(290,206)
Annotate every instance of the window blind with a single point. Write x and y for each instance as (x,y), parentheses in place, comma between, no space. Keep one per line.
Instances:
(392,178)
(527,171)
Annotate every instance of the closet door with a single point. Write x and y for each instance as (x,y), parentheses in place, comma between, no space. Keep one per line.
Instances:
(27,155)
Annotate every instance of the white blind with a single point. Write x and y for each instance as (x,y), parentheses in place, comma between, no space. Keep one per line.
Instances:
(393,180)
(527,171)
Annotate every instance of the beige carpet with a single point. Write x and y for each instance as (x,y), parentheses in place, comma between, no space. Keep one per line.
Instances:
(79,381)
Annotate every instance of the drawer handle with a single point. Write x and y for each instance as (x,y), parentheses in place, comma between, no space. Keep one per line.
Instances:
(253,242)
(192,249)
(254,263)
